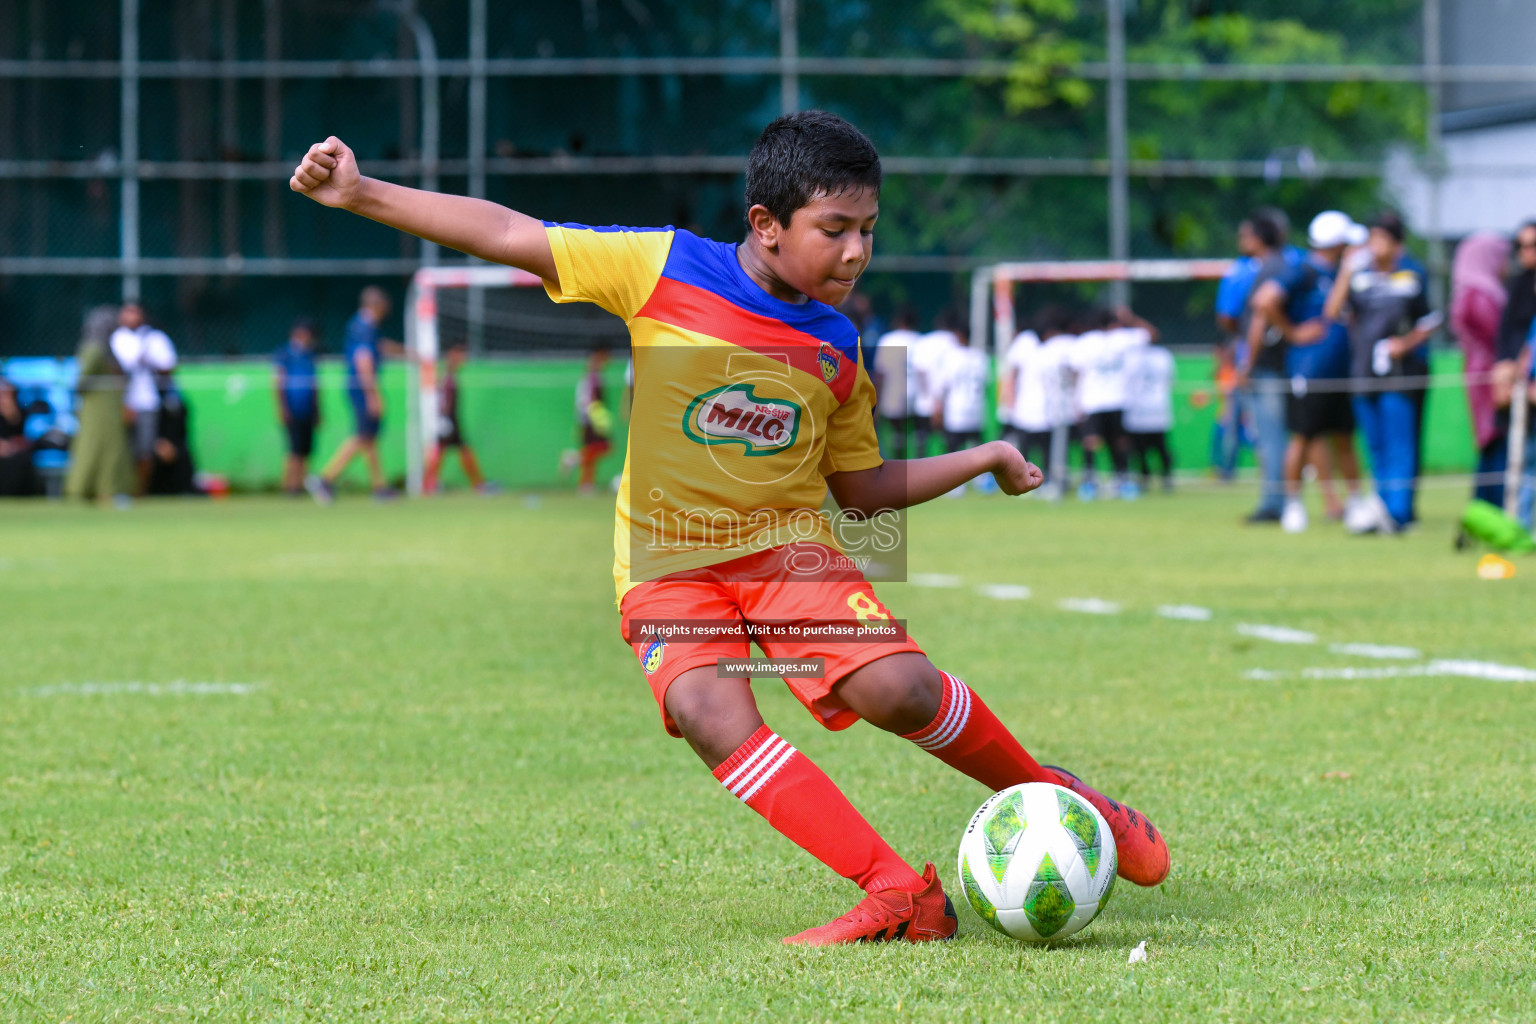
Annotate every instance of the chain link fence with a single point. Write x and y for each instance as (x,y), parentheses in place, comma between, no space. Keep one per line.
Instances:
(144,148)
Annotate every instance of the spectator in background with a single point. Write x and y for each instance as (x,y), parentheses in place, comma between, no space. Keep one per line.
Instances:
(1149,373)
(895,385)
(365,350)
(1261,366)
(1099,359)
(99,463)
(17,478)
(1033,386)
(297,389)
(1318,413)
(594,421)
(1514,329)
(960,398)
(928,357)
(1478,301)
(450,433)
(172,471)
(143,352)
(1382,294)
(1231,299)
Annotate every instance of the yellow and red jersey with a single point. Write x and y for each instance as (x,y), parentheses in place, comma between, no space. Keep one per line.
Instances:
(742,404)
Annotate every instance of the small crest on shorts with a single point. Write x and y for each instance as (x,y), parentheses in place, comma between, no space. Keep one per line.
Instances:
(650,658)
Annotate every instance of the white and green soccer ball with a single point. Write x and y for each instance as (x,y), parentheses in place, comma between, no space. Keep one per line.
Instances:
(1037,862)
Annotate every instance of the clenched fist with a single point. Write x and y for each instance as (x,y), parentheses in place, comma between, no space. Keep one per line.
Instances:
(328,174)
(1015,474)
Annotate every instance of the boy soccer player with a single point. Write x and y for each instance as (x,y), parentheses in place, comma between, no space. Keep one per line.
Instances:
(750,404)
(450,434)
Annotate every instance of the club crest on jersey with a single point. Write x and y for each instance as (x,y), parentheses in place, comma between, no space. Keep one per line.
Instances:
(734,414)
(826,358)
(650,658)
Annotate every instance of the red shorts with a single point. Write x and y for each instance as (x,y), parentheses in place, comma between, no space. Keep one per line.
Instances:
(759,588)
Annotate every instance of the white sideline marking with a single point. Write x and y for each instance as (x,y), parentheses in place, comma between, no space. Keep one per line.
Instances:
(1377,651)
(1438,668)
(1005,591)
(1186,612)
(176,688)
(935,579)
(1088,606)
(1276,634)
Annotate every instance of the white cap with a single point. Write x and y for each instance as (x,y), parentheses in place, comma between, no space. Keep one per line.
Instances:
(1331,228)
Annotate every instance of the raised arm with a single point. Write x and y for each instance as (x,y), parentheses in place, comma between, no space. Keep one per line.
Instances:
(329,175)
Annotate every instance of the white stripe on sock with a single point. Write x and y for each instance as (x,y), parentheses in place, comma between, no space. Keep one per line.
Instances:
(752,759)
(949,713)
(769,773)
(745,782)
(955,721)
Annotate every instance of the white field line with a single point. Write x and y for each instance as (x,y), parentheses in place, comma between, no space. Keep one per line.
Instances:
(1088,606)
(1276,634)
(935,579)
(1004,591)
(1185,612)
(178,687)
(1377,651)
(1439,668)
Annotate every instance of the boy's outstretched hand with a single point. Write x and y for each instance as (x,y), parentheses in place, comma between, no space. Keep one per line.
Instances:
(328,174)
(1015,474)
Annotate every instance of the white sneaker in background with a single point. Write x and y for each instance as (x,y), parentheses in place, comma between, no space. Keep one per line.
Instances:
(1294,518)
(1360,514)
(958,492)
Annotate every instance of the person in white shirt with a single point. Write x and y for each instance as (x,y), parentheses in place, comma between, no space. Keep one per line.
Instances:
(927,360)
(144,353)
(1099,359)
(1032,386)
(960,393)
(960,399)
(895,385)
(1149,373)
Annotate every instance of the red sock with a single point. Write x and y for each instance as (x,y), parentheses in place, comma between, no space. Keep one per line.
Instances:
(781,784)
(967,736)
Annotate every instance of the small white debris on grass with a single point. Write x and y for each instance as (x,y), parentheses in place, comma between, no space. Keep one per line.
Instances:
(1004,591)
(1276,634)
(1139,954)
(935,579)
(1088,606)
(1186,612)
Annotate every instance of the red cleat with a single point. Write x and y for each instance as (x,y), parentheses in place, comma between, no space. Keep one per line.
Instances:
(889,915)
(1143,856)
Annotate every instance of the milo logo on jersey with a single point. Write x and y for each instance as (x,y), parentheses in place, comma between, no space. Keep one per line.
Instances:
(733,414)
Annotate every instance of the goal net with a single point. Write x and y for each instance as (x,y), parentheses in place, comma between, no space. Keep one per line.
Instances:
(497,312)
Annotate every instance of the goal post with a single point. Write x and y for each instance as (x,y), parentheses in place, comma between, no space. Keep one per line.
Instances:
(1000,280)
(422,344)
(992,299)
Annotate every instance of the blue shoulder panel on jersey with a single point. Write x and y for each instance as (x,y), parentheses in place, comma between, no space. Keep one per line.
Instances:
(713,266)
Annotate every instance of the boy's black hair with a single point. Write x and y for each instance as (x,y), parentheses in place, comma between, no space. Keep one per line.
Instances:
(806,155)
(1052,320)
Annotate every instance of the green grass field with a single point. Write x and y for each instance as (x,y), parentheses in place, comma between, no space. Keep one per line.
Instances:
(432,784)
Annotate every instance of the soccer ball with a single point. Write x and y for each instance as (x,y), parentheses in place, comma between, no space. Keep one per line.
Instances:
(1037,862)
